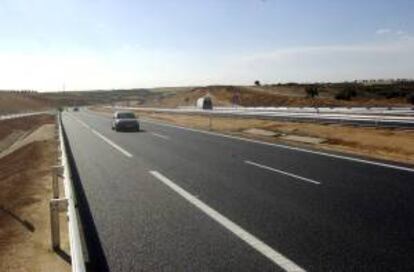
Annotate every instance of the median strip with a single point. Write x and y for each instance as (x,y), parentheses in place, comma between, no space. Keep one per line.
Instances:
(282,172)
(251,240)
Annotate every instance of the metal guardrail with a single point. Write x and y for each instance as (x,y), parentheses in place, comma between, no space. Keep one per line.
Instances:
(19,115)
(369,112)
(58,204)
(68,204)
(405,120)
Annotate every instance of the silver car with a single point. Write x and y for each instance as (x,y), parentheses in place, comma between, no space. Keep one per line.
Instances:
(125,121)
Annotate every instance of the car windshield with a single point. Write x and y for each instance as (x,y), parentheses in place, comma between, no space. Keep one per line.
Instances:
(126,115)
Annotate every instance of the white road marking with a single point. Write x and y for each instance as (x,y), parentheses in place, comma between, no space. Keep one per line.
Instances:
(114,145)
(160,136)
(251,240)
(82,123)
(120,149)
(386,165)
(282,172)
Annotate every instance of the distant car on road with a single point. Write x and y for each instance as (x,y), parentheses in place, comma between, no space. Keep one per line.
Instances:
(75,109)
(125,121)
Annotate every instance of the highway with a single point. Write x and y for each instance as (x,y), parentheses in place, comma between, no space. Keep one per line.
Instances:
(175,199)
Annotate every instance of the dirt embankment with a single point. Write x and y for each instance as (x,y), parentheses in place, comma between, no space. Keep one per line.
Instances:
(293,96)
(12,129)
(25,191)
(20,102)
(379,143)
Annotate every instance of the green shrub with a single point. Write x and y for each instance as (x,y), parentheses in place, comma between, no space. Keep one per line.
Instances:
(410,98)
(311,91)
(347,93)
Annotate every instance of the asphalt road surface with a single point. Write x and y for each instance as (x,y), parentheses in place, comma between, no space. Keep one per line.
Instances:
(174,199)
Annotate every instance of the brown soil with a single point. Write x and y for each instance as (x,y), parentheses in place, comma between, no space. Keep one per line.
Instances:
(380,143)
(265,96)
(18,102)
(25,190)
(23,124)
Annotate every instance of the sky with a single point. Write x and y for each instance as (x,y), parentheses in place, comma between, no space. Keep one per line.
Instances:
(51,45)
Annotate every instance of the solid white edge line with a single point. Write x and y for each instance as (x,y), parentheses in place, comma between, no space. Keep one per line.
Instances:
(114,145)
(386,165)
(282,172)
(251,240)
(160,136)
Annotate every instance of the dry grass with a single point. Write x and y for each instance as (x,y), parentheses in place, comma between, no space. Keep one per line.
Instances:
(265,96)
(15,102)
(23,124)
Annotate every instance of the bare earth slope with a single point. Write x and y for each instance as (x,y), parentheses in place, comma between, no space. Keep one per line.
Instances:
(25,190)
(19,102)
(253,96)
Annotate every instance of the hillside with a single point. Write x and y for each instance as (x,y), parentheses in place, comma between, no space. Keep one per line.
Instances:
(80,98)
(22,101)
(13,102)
(269,95)
(286,95)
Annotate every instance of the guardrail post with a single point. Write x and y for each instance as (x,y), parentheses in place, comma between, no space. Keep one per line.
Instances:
(56,206)
(58,154)
(57,172)
(210,122)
